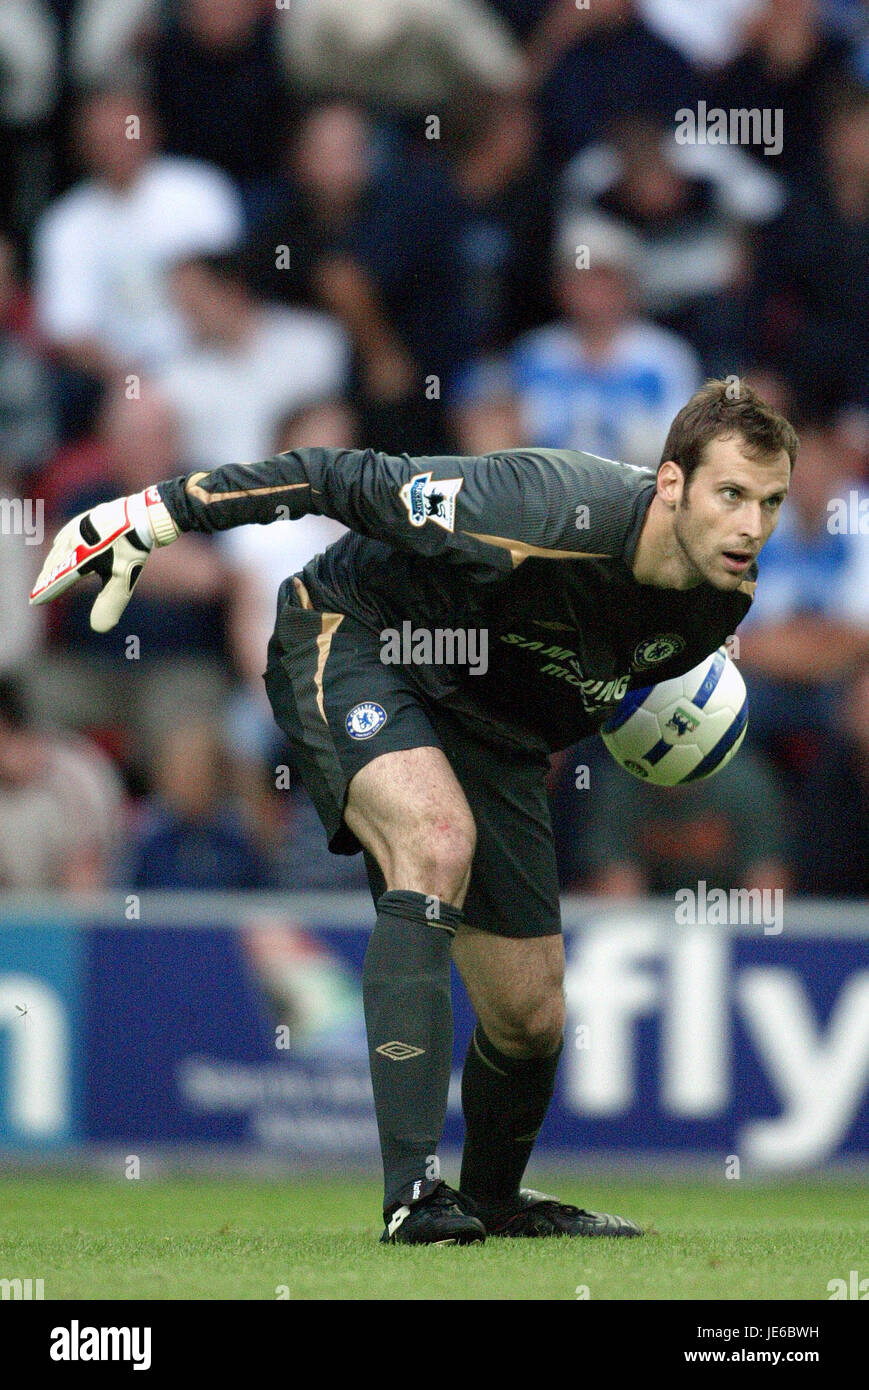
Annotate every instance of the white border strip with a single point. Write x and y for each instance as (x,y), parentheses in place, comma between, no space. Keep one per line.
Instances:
(803,917)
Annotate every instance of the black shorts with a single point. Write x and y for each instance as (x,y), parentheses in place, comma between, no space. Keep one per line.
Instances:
(340,707)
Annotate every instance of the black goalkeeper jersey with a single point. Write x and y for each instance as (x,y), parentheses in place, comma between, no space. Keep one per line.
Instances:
(531,547)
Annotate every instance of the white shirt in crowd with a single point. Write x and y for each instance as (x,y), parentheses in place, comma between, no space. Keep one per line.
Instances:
(269,553)
(74,804)
(231,400)
(620,408)
(102,256)
(708,34)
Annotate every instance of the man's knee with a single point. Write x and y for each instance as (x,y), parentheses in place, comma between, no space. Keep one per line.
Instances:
(409,812)
(431,855)
(531,1028)
(438,855)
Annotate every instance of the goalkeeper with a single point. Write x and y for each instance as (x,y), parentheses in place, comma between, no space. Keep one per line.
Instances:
(588,577)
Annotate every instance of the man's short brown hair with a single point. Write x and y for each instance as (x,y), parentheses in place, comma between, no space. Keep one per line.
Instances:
(722,410)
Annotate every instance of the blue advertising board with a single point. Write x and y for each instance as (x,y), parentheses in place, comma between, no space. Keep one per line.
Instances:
(238,1024)
(41,1032)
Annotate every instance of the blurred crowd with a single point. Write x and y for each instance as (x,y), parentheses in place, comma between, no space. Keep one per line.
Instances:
(233,227)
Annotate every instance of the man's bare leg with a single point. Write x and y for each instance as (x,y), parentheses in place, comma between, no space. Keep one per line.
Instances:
(516,988)
(408,810)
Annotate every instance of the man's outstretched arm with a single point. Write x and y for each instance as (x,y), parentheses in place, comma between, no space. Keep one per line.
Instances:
(495,510)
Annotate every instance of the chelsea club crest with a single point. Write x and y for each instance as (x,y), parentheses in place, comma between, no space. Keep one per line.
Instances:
(653,650)
(364,720)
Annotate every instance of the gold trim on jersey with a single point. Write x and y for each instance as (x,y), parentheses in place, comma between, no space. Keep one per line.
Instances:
(521,550)
(192,487)
(304,596)
(330,625)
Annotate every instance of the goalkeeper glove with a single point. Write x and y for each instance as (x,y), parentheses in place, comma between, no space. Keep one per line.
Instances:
(112,541)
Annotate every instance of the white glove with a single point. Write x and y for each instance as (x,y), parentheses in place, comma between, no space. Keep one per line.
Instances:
(113,541)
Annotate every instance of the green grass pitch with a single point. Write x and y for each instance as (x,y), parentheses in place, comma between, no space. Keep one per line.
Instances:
(214,1238)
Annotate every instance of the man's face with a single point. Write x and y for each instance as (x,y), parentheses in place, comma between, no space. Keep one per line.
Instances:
(333,155)
(113,147)
(205,299)
(20,761)
(598,297)
(847,146)
(728,512)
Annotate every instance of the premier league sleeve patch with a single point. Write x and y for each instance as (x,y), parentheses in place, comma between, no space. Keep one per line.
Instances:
(365,720)
(431,501)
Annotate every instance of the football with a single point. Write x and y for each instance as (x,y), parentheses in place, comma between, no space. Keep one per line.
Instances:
(683,729)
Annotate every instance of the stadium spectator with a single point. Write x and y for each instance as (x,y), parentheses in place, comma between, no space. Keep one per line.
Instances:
(177,659)
(808,629)
(192,835)
(789,64)
(288,831)
(833,814)
(258,560)
(218,87)
(29,82)
(22,521)
(102,250)
(813,286)
(520,15)
(60,803)
(301,862)
(401,54)
(372,240)
(381,232)
(692,207)
(846,17)
(727,830)
(27,425)
(249,364)
(29,54)
(602,379)
(505,240)
(706,35)
(598,63)
(105,37)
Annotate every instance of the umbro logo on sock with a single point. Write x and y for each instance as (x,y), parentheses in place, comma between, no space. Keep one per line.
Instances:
(399,1051)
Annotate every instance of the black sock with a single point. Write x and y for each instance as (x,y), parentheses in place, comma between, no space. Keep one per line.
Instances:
(505,1100)
(406,991)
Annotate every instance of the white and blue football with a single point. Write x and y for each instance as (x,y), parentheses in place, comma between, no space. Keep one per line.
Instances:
(683,729)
